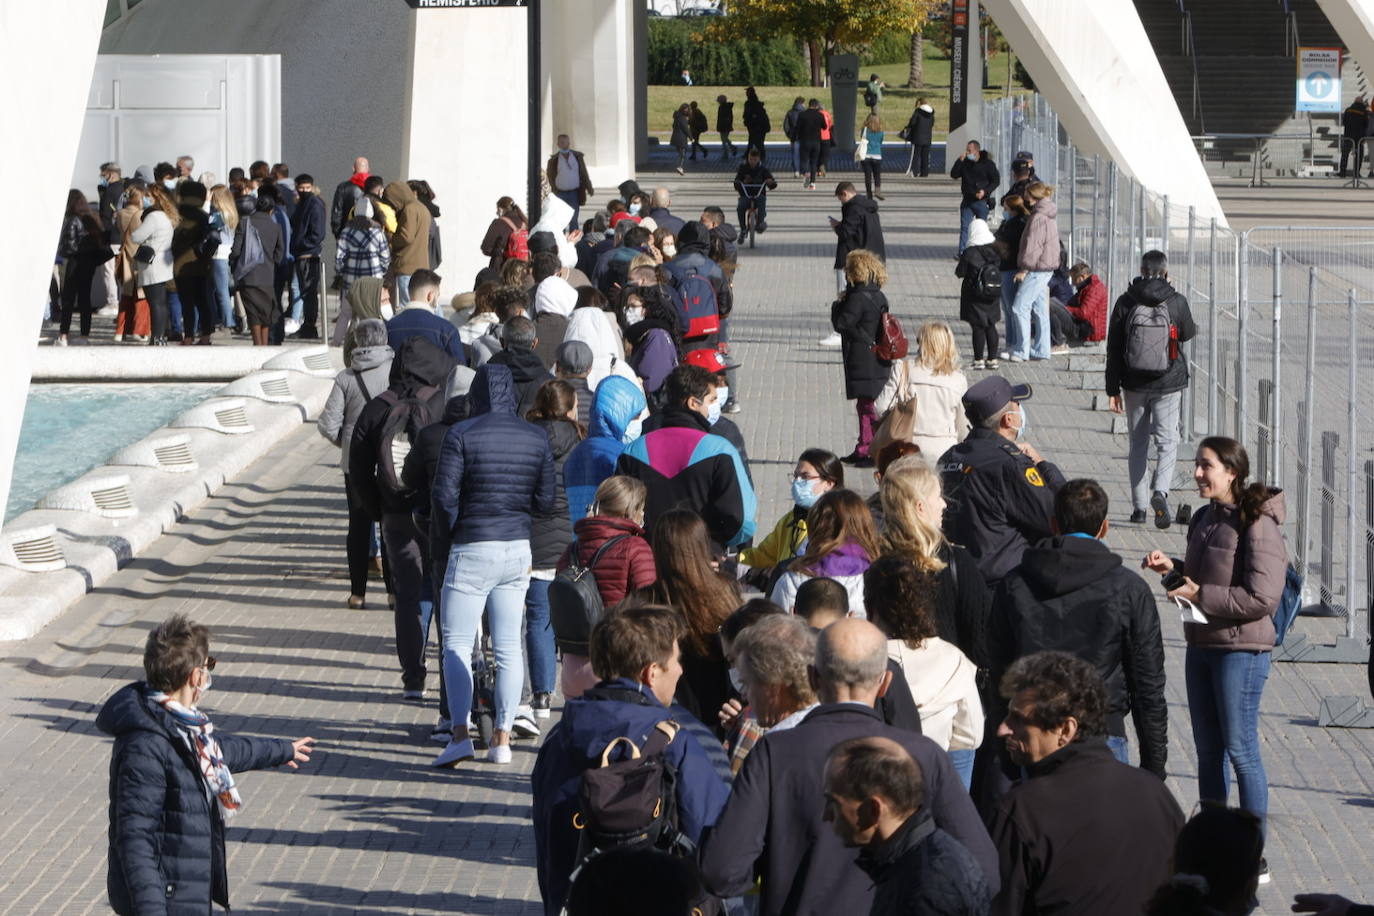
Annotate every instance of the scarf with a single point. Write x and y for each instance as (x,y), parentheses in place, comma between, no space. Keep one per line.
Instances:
(197,726)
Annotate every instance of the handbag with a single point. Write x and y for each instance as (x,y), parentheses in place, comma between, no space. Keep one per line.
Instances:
(145,254)
(899,423)
(859,147)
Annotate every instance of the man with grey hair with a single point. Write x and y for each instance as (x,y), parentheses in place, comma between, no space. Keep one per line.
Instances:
(774,823)
(1000,491)
(111,199)
(773,657)
(185,166)
(518,340)
(659,203)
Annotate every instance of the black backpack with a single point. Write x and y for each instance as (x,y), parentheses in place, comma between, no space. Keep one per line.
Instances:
(870,98)
(989,282)
(401,428)
(575,603)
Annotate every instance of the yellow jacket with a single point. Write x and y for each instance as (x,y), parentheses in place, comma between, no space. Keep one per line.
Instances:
(782,544)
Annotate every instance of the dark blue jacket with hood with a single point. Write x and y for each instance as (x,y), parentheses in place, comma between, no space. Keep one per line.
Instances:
(166,834)
(495,470)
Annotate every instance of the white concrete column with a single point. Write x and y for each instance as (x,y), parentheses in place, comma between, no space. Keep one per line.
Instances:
(44,113)
(1353,20)
(589,63)
(1094,63)
(465,122)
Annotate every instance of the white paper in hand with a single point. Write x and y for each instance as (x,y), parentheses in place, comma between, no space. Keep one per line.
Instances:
(1188,611)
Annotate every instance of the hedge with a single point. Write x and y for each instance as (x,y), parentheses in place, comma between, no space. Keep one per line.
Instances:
(673,47)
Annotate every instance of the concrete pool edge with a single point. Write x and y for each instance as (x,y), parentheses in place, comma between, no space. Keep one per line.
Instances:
(107,517)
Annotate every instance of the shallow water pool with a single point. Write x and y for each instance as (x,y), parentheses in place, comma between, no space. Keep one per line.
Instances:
(69,429)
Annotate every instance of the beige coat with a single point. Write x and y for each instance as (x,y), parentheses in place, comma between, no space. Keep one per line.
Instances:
(944,685)
(940,420)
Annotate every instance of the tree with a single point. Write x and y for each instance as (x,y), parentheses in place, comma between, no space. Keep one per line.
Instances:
(821,24)
(916,77)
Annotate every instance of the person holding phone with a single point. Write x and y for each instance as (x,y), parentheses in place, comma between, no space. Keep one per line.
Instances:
(978,178)
(1233,573)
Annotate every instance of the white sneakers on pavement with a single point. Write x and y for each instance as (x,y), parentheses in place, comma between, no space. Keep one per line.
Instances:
(831,340)
(455,753)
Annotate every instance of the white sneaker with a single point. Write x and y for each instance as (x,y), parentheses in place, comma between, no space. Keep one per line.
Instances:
(292,326)
(442,732)
(1016,359)
(977,364)
(524,725)
(1005,354)
(108,311)
(456,752)
(831,340)
(499,753)
(413,694)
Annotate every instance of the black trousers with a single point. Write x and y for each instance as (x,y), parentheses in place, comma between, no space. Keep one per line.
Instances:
(197,306)
(810,151)
(920,162)
(756,141)
(985,339)
(408,554)
(1349,144)
(873,175)
(77,275)
(308,277)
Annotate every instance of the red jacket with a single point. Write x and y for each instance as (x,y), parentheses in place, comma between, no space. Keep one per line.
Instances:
(1090,304)
(628,565)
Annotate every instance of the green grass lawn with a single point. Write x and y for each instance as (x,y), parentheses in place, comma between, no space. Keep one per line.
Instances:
(896,108)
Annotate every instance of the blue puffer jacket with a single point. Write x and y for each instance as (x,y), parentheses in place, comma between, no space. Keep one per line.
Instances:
(166,835)
(495,470)
(617,401)
(611,710)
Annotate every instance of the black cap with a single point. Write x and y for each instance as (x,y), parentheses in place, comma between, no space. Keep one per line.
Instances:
(1025,154)
(542,240)
(985,398)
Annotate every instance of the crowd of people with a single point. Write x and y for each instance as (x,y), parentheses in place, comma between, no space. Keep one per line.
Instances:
(179,258)
(915,703)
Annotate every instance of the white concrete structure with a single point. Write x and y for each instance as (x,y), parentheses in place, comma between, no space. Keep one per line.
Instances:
(1095,65)
(1353,20)
(44,116)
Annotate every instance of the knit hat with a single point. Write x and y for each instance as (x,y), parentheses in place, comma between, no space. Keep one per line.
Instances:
(574,357)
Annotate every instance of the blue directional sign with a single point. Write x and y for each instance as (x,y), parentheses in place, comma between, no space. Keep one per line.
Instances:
(1319,80)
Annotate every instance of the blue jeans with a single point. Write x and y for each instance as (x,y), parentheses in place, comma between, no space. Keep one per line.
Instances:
(1120,747)
(297,302)
(490,575)
(539,647)
(1009,285)
(963,765)
(1032,294)
(969,212)
(219,291)
(570,198)
(174,311)
(1224,689)
(796,156)
(402,292)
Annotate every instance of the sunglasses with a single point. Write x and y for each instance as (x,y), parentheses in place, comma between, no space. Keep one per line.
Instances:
(209,663)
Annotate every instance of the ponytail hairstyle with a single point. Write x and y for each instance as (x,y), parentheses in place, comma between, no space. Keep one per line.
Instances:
(553,402)
(905,534)
(1216,863)
(1249,498)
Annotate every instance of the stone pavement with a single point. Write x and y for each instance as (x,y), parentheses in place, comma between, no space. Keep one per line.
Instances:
(368,827)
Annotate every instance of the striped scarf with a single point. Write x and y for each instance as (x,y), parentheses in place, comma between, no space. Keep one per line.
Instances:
(212,766)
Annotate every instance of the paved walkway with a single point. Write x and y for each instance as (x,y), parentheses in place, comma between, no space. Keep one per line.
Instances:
(368,827)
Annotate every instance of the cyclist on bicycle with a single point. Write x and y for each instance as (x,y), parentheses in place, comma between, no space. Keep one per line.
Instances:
(753,181)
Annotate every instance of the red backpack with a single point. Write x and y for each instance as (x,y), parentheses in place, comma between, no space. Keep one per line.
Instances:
(518,243)
(891,343)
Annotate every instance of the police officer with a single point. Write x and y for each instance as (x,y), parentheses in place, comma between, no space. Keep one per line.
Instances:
(999,489)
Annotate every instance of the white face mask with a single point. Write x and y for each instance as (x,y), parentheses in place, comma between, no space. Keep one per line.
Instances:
(633,431)
(201,690)
(670,251)
(1021,430)
(736,681)
(723,395)
(634,315)
(388,312)
(713,412)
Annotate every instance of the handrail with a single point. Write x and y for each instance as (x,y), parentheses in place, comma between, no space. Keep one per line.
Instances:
(1291,42)
(1190,49)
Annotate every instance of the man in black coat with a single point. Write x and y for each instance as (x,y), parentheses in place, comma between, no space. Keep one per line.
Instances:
(518,340)
(810,126)
(978,178)
(756,121)
(1000,491)
(308,226)
(875,800)
(1072,593)
(1061,833)
(858,227)
(111,200)
(171,782)
(1354,127)
(1147,374)
(725,123)
(918,134)
(774,824)
(420,373)
(347,194)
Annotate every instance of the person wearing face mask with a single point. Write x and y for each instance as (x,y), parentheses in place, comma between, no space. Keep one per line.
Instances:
(684,465)
(615,420)
(817,473)
(172,787)
(1000,489)
(713,361)
(568,177)
(649,336)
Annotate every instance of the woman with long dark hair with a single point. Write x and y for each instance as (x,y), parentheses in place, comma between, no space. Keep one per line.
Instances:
(83,251)
(841,542)
(689,582)
(1217,860)
(1233,575)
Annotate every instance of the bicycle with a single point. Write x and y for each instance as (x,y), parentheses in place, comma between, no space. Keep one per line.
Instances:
(751,215)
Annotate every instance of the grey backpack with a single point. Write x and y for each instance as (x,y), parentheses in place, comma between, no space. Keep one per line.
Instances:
(1150,337)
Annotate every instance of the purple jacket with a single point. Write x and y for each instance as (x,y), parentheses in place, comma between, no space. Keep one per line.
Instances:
(654,356)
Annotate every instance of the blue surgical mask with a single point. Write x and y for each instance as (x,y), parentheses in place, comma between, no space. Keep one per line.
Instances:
(736,681)
(169,183)
(713,412)
(104,182)
(633,431)
(1021,430)
(147,202)
(804,492)
(634,209)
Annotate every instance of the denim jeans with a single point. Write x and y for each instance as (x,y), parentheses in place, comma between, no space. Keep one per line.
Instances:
(174,311)
(796,155)
(570,198)
(297,303)
(1032,295)
(219,289)
(402,292)
(1120,747)
(963,765)
(539,647)
(1009,338)
(492,576)
(1224,689)
(1152,420)
(969,212)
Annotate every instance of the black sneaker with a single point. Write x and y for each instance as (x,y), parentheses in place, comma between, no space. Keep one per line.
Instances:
(541,705)
(1159,502)
(1138,517)
(1184,514)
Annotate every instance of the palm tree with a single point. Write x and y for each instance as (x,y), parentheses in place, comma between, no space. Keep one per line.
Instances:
(916,77)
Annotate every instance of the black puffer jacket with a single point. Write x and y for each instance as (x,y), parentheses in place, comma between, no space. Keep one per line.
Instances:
(1158,293)
(551,532)
(1073,594)
(495,470)
(856,316)
(922,871)
(972,307)
(166,834)
(979,175)
(859,228)
(1008,236)
(419,364)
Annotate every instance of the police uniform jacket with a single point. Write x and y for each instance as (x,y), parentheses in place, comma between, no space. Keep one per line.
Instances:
(999,500)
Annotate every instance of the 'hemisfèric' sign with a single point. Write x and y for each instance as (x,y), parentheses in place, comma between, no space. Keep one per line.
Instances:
(462,4)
